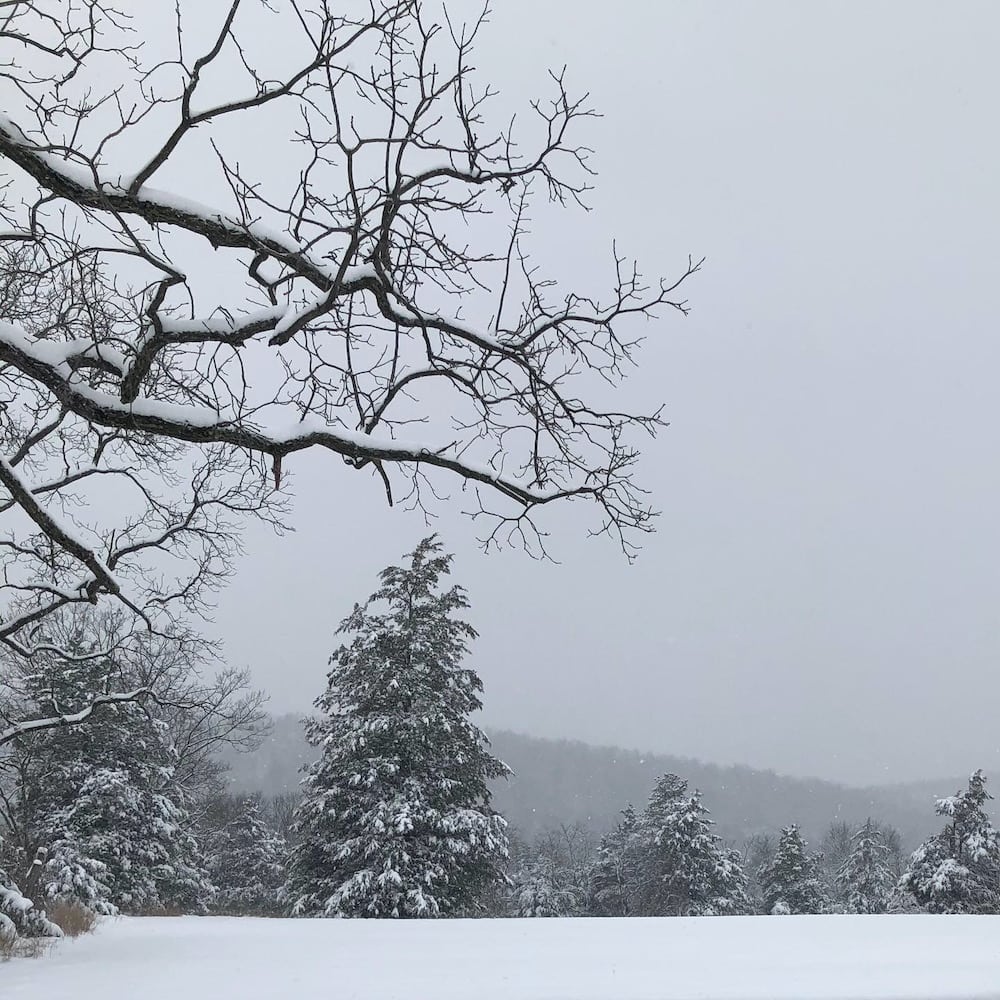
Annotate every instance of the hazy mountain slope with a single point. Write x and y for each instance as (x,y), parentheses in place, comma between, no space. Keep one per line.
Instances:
(559,781)
(562,781)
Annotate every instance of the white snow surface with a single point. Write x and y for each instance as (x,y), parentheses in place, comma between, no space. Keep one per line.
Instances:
(764,958)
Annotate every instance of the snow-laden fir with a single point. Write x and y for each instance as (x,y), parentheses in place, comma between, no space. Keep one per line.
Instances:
(99,805)
(686,869)
(396,818)
(865,878)
(792,882)
(958,871)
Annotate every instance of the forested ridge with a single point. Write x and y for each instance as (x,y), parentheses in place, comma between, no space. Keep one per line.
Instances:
(569,781)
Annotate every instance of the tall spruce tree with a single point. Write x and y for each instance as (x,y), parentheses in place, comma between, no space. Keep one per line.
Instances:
(396,818)
(865,876)
(791,883)
(958,870)
(685,870)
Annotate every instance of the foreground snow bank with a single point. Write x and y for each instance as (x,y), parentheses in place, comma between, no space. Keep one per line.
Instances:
(765,958)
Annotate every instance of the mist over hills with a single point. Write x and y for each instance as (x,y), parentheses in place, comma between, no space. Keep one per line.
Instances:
(565,781)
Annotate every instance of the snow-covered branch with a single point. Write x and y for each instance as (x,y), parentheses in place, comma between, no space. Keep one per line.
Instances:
(25,498)
(91,511)
(380,278)
(20,729)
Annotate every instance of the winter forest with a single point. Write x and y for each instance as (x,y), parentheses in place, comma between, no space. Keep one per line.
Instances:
(344,358)
(132,813)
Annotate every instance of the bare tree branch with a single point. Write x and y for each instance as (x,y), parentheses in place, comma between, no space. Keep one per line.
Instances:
(361,301)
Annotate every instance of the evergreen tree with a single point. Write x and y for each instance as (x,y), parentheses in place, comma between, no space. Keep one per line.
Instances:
(615,877)
(541,889)
(685,870)
(71,875)
(791,883)
(19,917)
(865,877)
(958,870)
(396,818)
(102,802)
(120,844)
(247,864)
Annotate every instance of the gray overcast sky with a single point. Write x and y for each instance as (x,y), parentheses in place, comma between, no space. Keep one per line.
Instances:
(822,594)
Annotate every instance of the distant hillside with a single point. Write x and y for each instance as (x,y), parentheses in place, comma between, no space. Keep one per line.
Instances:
(560,781)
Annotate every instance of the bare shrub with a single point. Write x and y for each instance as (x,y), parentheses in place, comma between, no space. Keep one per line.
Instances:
(71,918)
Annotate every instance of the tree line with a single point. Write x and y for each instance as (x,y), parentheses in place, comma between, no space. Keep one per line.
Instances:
(564,781)
(129,813)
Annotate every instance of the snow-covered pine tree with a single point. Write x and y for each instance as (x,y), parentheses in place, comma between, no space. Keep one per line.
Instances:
(101,799)
(71,875)
(134,842)
(685,870)
(541,889)
(19,917)
(865,876)
(958,870)
(396,818)
(792,882)
(614,879)
(247,864)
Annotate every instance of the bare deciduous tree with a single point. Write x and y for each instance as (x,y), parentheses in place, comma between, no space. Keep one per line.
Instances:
(361,300)
(280,812)
(233,231)
(87,511)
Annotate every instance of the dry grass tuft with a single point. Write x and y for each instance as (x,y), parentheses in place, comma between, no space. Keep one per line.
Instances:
(71,918)
(21,947)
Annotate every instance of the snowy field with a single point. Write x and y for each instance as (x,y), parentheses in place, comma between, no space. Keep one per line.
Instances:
(766,958)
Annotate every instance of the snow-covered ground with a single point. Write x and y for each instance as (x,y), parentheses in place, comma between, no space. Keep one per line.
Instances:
(767,958)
